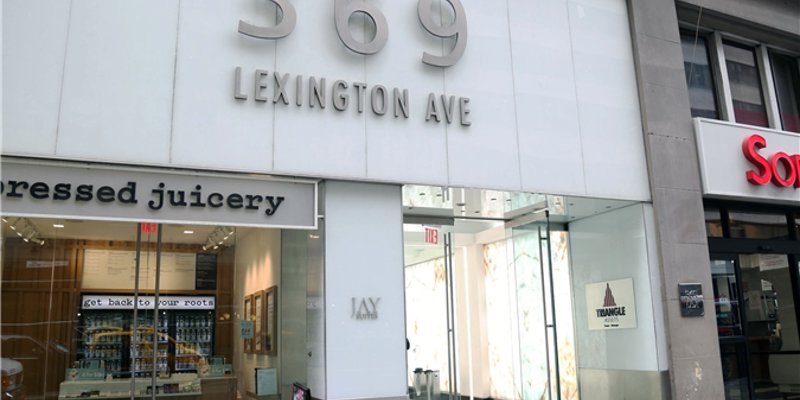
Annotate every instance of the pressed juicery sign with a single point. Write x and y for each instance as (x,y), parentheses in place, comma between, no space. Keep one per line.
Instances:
(611,304)
(35,189)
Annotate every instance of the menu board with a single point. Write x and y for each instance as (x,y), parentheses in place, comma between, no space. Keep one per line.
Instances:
(116,269)
(206,272)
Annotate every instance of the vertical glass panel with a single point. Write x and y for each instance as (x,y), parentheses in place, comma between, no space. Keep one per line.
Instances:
(53,335)
(750,225)
(501,324)
(530,313)
(426,308)
(564,318)
(699,78)
(796,218)
(734,370)
(713,222)
(786,75)
(769,304)
(748,102)
(726,297)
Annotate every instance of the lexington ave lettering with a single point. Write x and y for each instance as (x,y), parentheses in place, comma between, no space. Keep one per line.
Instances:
(317,92)
(160,196)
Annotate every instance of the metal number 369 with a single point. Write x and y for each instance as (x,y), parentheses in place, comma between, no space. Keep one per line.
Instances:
(343,9)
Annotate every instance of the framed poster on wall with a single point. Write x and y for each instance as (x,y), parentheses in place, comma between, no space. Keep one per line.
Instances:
(247,312)
(271,320)
(258,322)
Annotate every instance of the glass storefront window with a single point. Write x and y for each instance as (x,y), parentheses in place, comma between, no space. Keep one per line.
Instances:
(726,297)
(713,222)
(80,317)
(769,306)
(751,225)
(699,78)
(786,73)
(734,370)
(745,83)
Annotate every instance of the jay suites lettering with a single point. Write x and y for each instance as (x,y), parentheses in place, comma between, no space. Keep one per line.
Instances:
(158,197)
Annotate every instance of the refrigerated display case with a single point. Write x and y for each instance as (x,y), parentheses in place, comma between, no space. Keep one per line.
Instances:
(122,348)
(194,336)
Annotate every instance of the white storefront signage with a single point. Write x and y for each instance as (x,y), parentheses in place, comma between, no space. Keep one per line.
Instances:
(457,93)
(116,302)
(748,163)
(611,304)
(91,192)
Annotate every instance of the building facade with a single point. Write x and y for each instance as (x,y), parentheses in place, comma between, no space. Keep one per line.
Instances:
(740,67)
(375,199)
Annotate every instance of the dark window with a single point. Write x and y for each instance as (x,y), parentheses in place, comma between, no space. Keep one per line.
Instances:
(786,75)
(745,83)
(713,222)
(698,76)
(750,225)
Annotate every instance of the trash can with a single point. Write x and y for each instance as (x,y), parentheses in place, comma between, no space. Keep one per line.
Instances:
(420,386)
(432,388)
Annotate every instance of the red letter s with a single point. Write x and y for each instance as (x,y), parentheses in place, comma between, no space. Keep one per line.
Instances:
(749,148)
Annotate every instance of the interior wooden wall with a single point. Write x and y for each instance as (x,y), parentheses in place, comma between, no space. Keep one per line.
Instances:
(43,303)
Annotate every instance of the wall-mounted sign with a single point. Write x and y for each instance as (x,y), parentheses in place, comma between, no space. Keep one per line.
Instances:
(311,90)
(611,304)
(116,270)
(344,9)
(691,298)
(34,189)
(746,163)
(116,302)
(246,329)
(364,308)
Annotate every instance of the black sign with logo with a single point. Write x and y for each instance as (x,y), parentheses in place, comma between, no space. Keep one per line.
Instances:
(691,297)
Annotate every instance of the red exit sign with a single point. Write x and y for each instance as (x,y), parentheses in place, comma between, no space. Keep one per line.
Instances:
(149,228)
(431,235)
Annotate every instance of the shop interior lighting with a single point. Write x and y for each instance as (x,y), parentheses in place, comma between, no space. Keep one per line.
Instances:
(217,237)
(25,229)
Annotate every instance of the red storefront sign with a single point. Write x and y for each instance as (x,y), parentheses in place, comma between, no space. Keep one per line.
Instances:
(781,169)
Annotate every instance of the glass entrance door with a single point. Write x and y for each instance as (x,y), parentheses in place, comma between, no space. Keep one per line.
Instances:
(479,311)
(757,324)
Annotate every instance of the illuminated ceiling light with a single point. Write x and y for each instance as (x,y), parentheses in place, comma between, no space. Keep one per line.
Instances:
(26,230)
(59,226)
(188,232)
(218,237)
